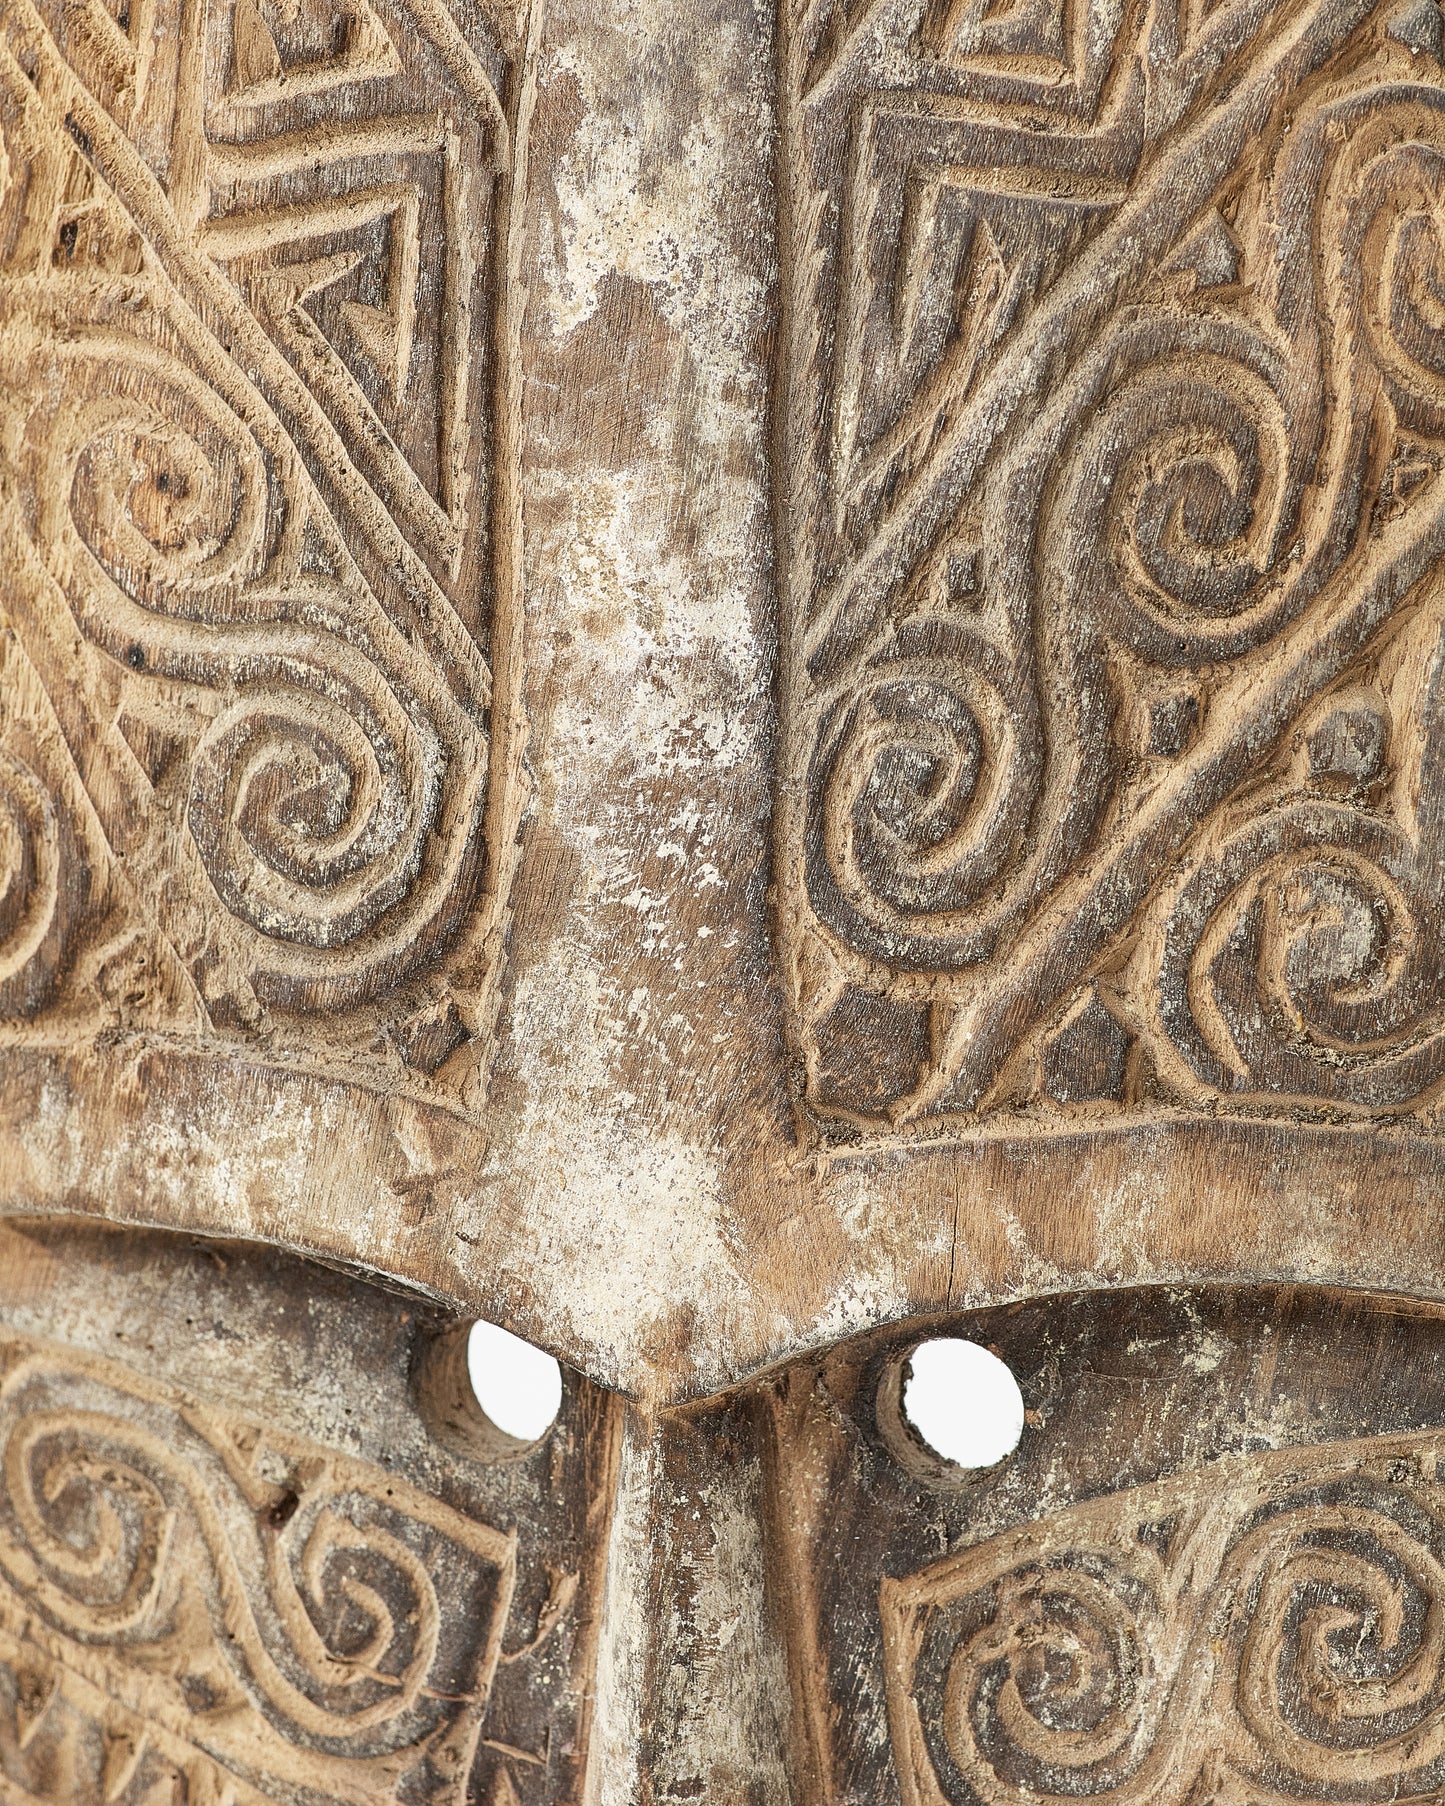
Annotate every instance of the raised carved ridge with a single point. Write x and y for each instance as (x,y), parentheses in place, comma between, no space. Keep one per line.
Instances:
(1111,422)
(258,393)
(1292,1605)
(195,1609)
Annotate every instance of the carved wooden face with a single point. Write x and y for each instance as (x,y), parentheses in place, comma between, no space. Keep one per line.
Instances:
(732,686)
(257,1544)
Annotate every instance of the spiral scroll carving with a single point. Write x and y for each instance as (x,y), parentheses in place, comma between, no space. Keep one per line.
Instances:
(1170,479)
(29,866)
(1402,265)
(1293,1603)
(928,790)
(259,441)
(1159,506)
(1059,1688)
(334,782)
(1343,1664)
(1300,950)
(1299,963)
(1181,494)
(295,1594)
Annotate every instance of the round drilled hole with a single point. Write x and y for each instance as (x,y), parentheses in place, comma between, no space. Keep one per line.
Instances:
(962,1403)
(517,1387)
(486,1392)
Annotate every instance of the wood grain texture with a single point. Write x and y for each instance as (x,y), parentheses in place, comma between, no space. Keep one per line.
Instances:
(261,403)
(236,1566)
(242,1560)
(698,678)
(736,685)
(1211,1569)
(1111,430)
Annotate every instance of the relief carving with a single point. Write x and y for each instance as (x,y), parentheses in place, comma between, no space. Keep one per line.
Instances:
(1208,1566)
(1264,1630)
(258,386)
(238,1562)
(193,1608)
(1112,422)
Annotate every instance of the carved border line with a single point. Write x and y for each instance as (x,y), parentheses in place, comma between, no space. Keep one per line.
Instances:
(1208,1648)
(105,1670)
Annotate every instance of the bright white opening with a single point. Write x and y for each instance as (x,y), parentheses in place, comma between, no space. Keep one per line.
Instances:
(518,1387)
(963,1402)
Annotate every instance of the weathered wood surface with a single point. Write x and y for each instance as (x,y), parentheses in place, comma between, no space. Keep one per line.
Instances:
(242,1559)
(729,684)
(1212,1569)
(698,678)
(236,1566)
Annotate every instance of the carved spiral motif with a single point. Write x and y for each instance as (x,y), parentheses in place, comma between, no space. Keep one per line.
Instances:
(29,865)
(1301,953)
(367,1635)
(98,1525)
(1056,1692)
(1159,504)
(923,793)
(1398,224)
(1302,956)
(1334,938)
(1180,495)
(1202,439)
(1299,960)
(169,491)
(321,776)
(917,784)
(1342,1664)
(1290,1604)
(305,802)
(117,1530)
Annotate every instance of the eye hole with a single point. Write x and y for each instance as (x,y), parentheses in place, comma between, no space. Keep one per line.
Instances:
(517,1387)
(962,1402)
(485,1392)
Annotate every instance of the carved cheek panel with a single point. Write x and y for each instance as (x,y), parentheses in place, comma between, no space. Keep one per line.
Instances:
(1114,408)
(197,1604)
(1213,1570)
(1297,1617)
(258,378)
(282,1598)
